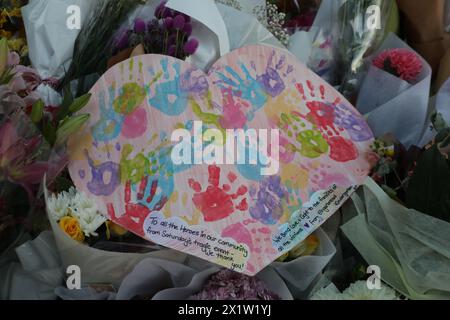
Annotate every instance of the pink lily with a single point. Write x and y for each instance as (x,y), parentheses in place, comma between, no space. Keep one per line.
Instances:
(18,158)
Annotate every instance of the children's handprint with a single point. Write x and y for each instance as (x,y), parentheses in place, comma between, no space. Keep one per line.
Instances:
(130,98)
(97,185)
(218,202)
(247,88)
(270,198)
(309,143)
(271,80)
(354,124)
(233,111)
(170,97)
(323,116)
(110,124)
(134,216)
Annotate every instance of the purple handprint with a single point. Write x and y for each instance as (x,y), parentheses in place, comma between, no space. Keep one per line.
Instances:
(269,200)
(271,80)
(353,123)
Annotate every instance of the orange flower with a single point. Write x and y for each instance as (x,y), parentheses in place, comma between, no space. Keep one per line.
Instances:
(72,228)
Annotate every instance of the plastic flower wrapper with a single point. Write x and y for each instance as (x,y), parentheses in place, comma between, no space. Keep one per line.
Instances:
(94,42)
(301,272)
(31,269)
(410,247)
(316,46)
(390,103)
(356,291)
(356,40)
(157,279)
(51,41)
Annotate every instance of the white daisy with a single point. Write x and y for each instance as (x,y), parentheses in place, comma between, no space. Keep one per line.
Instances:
(360,291)
(59,205)
(79,206)
(327,293)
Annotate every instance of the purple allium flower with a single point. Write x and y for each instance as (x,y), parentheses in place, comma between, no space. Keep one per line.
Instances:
(167,13)
(159,11)
(139,26)
(168,23)
(229,285)
(188,29)
(122,41)
(186,18)
(191,46)
(178,22)
(172,50)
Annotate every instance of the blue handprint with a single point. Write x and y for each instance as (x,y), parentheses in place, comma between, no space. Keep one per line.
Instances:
(110,124)
(248,89)
(170,98)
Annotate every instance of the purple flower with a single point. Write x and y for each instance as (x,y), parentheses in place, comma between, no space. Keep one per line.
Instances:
(172,50)
(188,29)
(178,22)
(167,13)
(139,26)
(229,285)
(159,11)
(191,46)
(168,23)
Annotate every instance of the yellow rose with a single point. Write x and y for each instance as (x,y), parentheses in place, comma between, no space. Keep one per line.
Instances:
(72,228)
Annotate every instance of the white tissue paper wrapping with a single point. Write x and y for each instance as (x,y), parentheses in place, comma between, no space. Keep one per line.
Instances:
(392,105)
(32,270)
(50,41)
(300,273)
(100,266)
(165,280)
(412,249)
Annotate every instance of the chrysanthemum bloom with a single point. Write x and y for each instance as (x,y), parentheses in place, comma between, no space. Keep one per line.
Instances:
(402,63)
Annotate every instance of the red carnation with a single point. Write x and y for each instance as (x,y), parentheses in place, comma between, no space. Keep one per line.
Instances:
(402,63)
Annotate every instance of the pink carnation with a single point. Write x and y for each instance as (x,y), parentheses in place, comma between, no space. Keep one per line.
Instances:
(402,63)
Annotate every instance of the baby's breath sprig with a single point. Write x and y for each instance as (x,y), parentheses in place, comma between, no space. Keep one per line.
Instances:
(273,20)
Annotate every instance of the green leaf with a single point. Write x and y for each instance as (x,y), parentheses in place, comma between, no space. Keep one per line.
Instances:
(79,103)
(49,133)
(37,112)
(429,188)
(4,51)
(64,108)
(69,127)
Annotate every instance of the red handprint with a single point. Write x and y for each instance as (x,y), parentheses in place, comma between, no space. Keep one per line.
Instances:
(216,203)
(135,213)
(323,116)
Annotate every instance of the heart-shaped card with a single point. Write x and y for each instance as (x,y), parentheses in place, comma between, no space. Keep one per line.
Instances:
(236,166)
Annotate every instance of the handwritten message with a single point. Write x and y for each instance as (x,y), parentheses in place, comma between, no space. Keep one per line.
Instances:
(204,242)
(303,222)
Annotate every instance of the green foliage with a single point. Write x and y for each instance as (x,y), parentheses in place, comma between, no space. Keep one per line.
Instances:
(429,187)
(57,131)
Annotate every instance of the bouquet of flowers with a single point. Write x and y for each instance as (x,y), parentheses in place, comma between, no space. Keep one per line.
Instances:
(33,137)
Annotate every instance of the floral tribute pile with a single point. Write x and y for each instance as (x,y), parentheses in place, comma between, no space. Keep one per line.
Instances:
(397,76)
